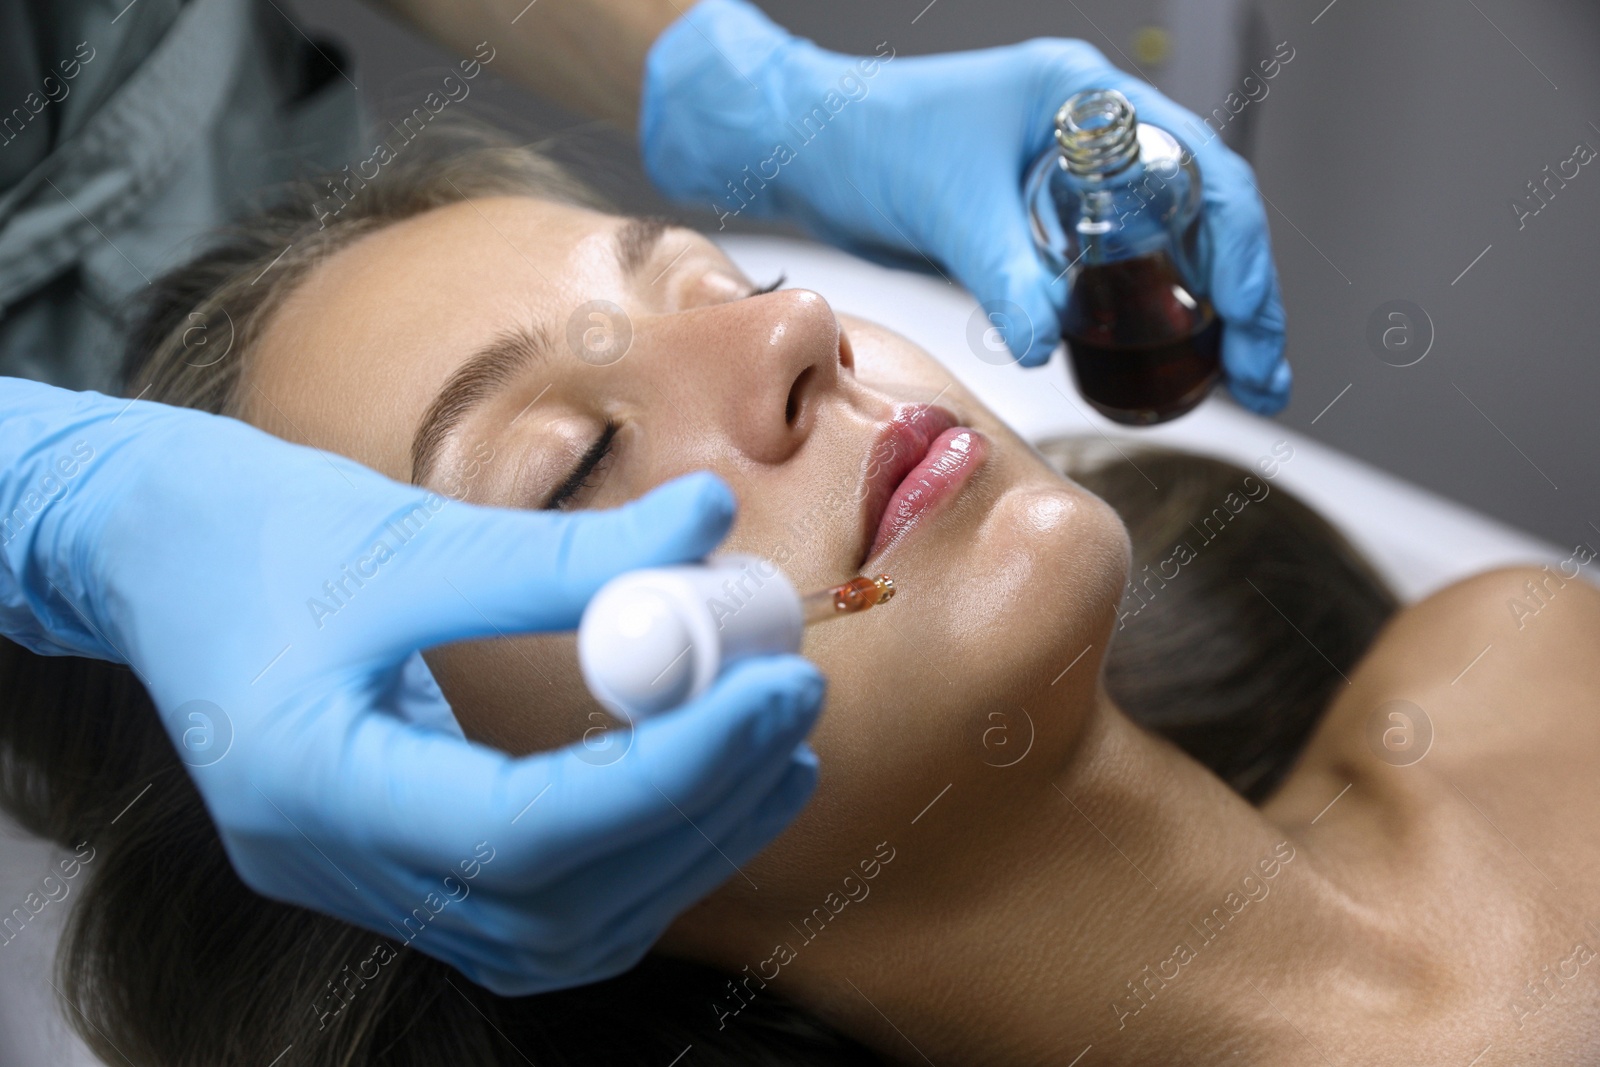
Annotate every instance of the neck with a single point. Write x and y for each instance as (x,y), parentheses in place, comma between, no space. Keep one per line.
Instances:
(1130,902)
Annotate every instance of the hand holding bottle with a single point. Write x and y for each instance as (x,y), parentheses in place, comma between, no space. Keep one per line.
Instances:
(922,159)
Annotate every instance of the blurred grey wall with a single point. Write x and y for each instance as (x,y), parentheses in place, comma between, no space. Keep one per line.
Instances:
(1393,150)
(1436,330)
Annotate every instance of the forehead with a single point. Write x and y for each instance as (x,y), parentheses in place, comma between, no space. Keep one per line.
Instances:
(351,359)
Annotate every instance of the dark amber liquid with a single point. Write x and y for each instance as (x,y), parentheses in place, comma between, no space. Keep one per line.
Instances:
(1140,353)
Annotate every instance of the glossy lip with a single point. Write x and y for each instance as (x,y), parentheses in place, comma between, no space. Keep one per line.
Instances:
(919,458)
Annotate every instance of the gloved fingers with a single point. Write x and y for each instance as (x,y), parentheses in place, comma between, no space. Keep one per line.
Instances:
(1055,68)
(736,848)
(424,799)
(659,878)
(626,936)
(522,974)
(767,707)
(686,763)
(599,921)
(1244,284)
(1268,400)
(333,769)
(1017,294)
(298,877)
(624,898)
(1253,346)
(401,906)
(474,572)
(992,249)
(414,695)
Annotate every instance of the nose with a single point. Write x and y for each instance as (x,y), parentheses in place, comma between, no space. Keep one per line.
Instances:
(759,367)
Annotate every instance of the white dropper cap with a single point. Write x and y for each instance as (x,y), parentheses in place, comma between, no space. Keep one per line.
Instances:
(654,639)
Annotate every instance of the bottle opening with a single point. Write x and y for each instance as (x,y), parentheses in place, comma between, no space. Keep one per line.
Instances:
(1097,130)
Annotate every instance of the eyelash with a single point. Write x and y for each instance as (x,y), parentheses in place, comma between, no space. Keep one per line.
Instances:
(599,452)
(587,467)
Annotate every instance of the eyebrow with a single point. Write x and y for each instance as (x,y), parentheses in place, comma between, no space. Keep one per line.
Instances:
(500,362)
(637,238)
(485,373)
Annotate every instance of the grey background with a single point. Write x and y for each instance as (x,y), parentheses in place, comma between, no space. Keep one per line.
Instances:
(1389,151)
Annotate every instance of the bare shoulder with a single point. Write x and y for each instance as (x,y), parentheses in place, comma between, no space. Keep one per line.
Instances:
(1517,627)
(1497,675)
(1459,766)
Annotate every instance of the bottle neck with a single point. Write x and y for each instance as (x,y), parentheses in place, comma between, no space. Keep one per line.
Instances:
(1098,132)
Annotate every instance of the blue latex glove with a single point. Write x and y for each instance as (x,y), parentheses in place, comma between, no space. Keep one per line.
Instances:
(191,547)
(925,157)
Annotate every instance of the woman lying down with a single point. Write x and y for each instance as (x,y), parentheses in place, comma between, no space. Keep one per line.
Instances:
(1240,810)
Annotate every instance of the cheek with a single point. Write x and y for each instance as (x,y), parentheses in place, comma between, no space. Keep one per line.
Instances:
(1067,557)
(887,361)
(1040,585)
(519,694)
(930,691)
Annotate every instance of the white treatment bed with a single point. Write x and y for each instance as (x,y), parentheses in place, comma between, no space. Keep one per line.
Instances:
(1420,541)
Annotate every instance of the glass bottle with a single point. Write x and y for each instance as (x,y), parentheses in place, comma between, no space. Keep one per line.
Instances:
(1115,212)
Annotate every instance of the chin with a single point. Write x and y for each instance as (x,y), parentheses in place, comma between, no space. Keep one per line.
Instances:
(1055,565)
(1063,544)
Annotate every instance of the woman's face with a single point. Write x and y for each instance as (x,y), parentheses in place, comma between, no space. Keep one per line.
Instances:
(466,348)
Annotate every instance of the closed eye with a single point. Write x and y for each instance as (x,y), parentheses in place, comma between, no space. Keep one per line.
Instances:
(600,452)
(774,287)
(580,479)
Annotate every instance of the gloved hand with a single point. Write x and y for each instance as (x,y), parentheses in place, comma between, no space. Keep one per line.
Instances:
(926,156)
(191,547)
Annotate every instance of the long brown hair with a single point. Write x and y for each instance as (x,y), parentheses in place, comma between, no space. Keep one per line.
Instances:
(1244,609)
(170,960)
